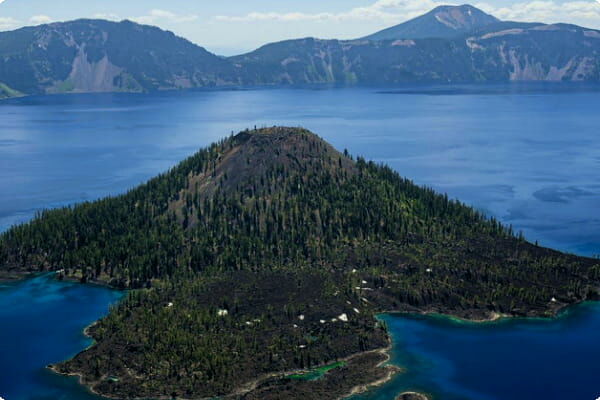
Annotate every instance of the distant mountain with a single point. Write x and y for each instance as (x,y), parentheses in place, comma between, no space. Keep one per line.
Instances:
(441,22)
(463,44)
(100,56)
(501,52)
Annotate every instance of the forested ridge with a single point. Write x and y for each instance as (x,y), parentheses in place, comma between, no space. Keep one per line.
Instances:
(447,45)
(270,251)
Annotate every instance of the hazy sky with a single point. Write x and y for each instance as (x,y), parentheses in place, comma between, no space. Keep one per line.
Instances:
(234,26)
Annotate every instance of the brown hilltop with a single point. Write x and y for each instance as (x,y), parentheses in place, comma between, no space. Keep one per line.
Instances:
(259,161)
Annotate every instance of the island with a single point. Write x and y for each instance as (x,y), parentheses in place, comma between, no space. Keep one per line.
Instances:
(257,266)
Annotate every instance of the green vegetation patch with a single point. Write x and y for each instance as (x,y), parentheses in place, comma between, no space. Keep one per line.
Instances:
(66,86)
(316,373)
(6,91)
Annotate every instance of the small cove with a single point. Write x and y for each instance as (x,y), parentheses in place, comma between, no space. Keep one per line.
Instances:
(42,322)
(506,359)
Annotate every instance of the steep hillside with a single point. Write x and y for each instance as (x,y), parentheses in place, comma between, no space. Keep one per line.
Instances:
(268,253)
(530,52)
(449,44)
(442,22)
(499,53)
(97,56)
(348,62)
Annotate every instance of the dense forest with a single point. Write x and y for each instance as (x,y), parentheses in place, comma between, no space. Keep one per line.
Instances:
(198,338)
(270,251)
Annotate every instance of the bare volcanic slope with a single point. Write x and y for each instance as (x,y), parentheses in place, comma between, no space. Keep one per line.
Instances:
(442,22)
(270,252)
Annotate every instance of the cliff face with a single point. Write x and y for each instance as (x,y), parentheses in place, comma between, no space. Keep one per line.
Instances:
(506,52)
(103,56)
(541,52)
(98,56)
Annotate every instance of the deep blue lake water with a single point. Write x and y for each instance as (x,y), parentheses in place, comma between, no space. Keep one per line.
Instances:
(42,322)
(522,359)
(528,154)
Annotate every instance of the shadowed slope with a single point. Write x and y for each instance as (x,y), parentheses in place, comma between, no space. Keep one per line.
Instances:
(103,56)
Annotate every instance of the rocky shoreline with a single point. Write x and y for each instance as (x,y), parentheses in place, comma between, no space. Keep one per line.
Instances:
(367,368)
(411,396)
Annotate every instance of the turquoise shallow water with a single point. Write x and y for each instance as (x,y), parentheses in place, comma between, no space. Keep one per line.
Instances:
(42,322)
(505,360)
